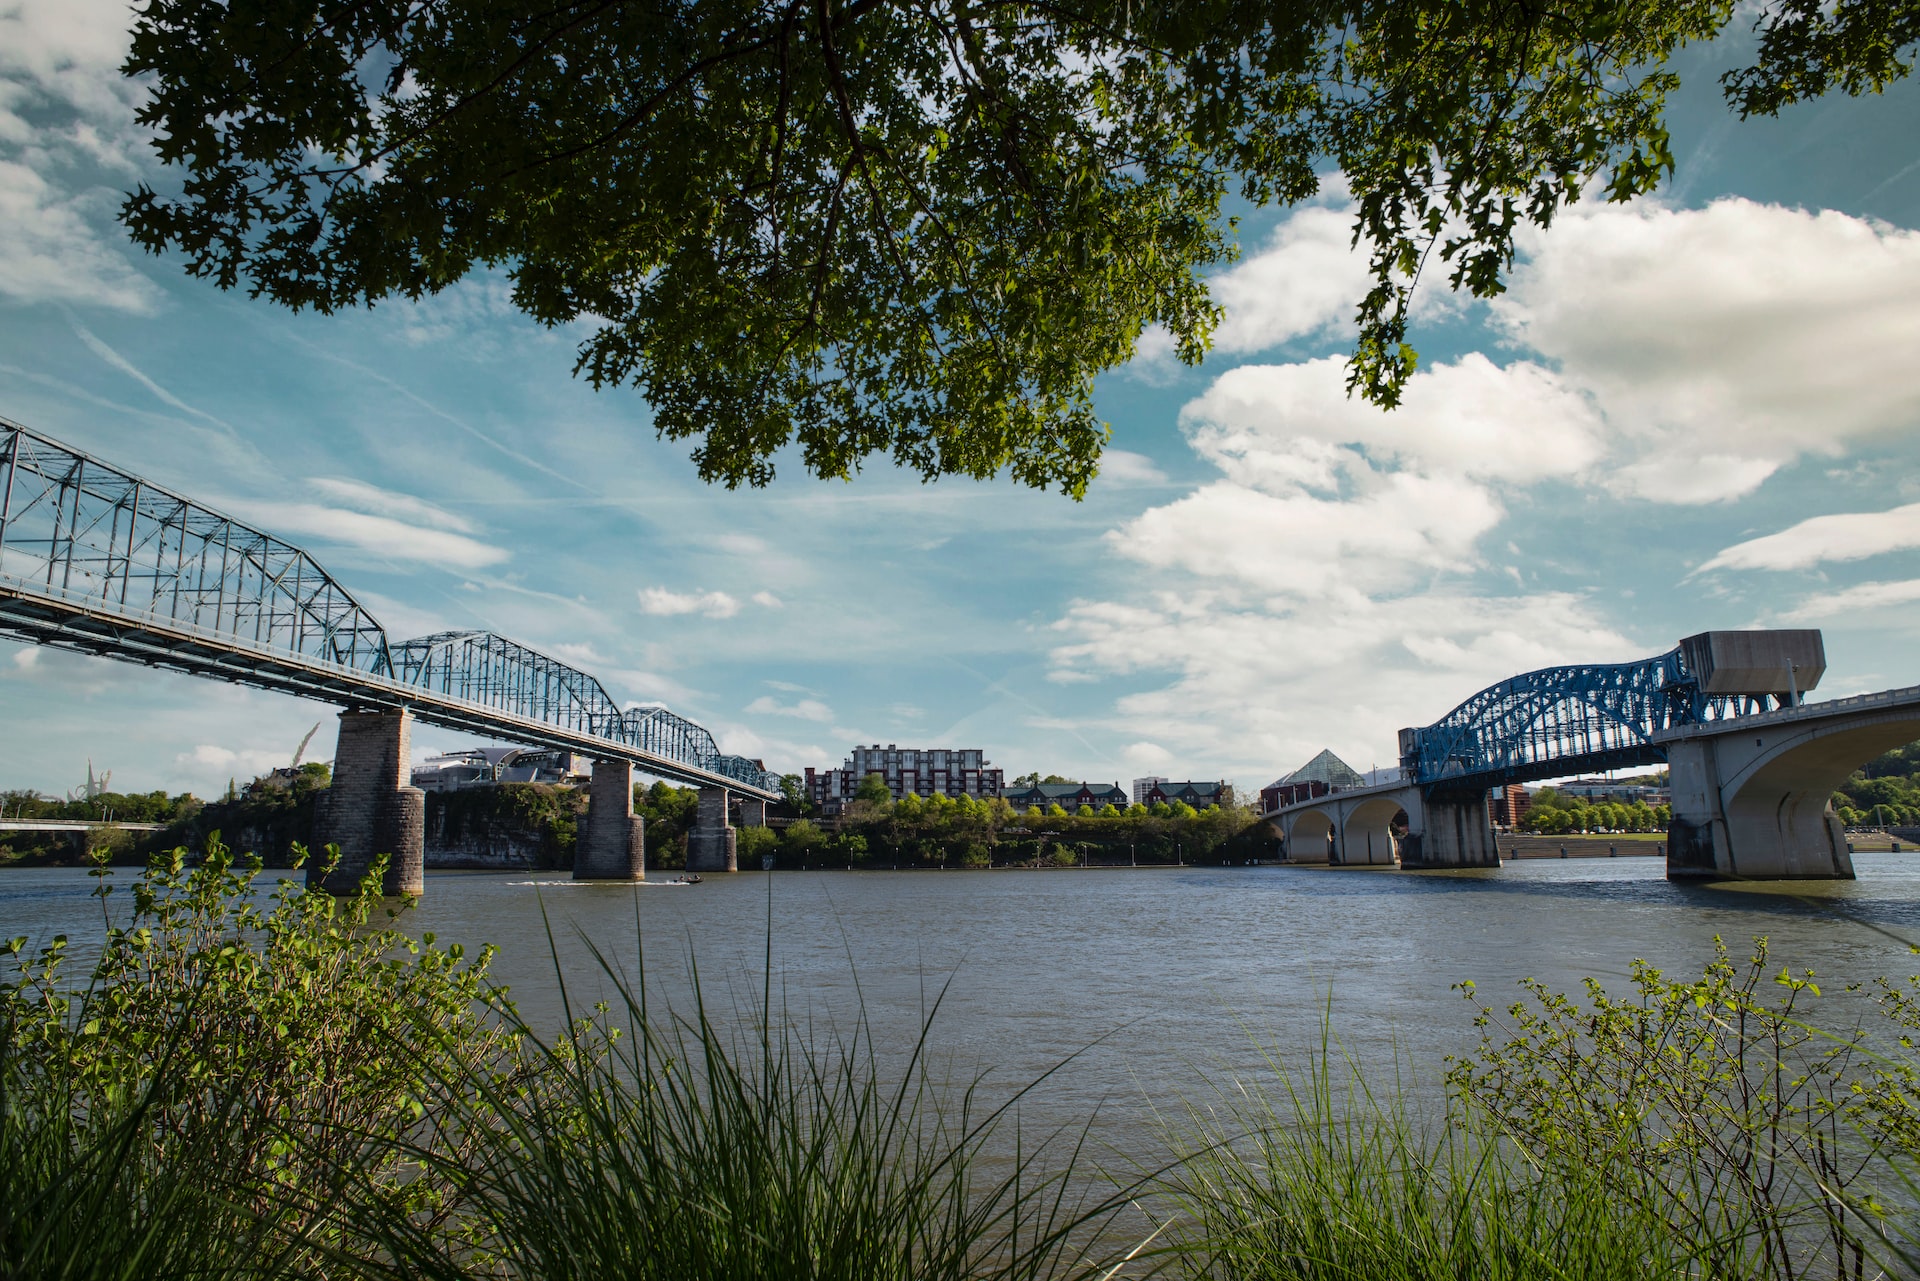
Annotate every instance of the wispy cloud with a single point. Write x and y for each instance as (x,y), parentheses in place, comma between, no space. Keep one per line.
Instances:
(382,535)
(386,502)
(1859,599)
(664,603)
(519,456)
(806,709)
(1842,537)
(127,367)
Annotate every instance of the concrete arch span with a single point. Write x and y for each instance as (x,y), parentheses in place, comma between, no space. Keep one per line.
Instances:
(1368,836)
(1310,837)
(1758,803)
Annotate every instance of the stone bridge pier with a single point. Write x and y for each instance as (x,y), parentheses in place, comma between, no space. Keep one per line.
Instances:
(370,809)
(612,845)
(710,845)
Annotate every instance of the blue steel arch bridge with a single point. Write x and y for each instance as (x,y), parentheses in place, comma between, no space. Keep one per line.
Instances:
(1593,717)
(96,559)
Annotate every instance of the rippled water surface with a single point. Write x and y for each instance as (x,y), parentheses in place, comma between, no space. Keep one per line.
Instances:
(1148,975)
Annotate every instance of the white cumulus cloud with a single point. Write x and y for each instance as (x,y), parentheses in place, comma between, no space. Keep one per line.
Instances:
(1306,280)
(1276,684)
(1722,343)
(68,141)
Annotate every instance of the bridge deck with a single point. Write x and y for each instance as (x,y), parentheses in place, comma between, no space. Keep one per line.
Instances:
(77,621)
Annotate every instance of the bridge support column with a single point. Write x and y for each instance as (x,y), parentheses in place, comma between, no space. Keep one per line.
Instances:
(1449,832)
(753,812)
(369,809)
(1778,824)
(612,845)
(710,843)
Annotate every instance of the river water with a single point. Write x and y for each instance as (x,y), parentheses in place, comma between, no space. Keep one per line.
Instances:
(1154,979)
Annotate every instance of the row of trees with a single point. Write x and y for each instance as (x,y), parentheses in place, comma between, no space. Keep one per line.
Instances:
(125,807)
(1885,791)
(1556,814)
(946,831)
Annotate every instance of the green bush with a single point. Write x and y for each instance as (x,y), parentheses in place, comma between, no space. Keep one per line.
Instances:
(1753,1135)
(1313,1178)
(235,1083)
(749,843)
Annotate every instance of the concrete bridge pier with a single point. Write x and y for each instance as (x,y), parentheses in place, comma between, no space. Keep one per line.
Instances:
(710,845)
(1449,831)
(1744,806)
(369,809)
(753,812)
(612,845)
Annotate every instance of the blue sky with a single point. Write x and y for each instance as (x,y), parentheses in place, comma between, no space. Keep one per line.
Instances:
(1698,411)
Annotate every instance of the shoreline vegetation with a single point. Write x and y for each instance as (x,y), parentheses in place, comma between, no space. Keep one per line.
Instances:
(255,1081)
(535,826)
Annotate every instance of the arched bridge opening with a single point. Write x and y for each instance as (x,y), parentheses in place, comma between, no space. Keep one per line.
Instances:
(1372,832)
(1310,837)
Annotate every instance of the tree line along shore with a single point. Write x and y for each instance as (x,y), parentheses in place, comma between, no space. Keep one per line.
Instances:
(535,825)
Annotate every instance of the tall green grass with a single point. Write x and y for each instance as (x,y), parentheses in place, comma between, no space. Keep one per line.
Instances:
(248,1089)
(1308,1175)
(657,1144)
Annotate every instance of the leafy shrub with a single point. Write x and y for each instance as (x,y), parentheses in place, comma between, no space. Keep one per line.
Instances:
(227,1081)
(751,842)
(1751,1132)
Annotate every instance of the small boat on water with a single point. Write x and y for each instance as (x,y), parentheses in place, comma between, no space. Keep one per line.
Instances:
(688,879)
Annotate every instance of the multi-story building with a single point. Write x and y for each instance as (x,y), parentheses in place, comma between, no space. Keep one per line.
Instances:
(1507,805)
(1594,791)
(1141,786)
(949,771)
(1068,796)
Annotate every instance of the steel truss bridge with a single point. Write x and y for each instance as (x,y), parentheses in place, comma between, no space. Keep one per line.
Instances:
(96,559)
(1564,720)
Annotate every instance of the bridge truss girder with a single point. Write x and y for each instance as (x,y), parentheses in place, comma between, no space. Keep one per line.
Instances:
(1559,721)
(95,559)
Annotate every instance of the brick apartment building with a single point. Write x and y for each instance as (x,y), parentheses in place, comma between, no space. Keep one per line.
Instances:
(950,771)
